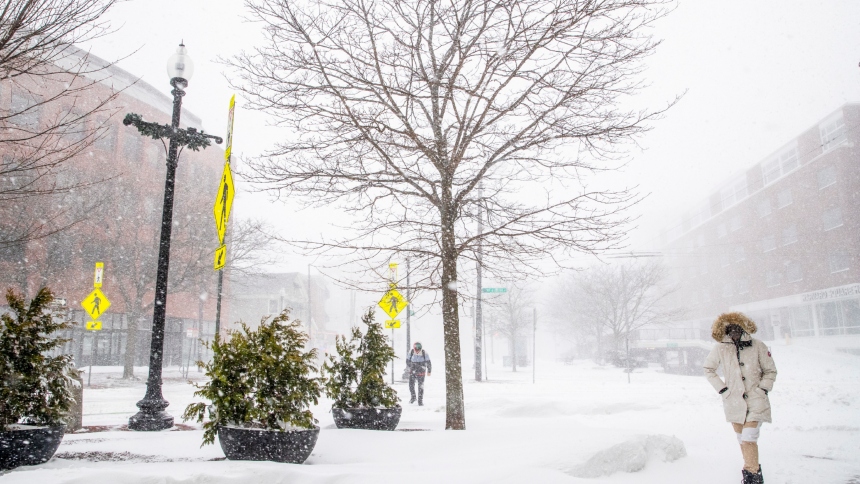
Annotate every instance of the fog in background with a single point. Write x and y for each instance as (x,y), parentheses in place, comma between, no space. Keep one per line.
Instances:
(752,76)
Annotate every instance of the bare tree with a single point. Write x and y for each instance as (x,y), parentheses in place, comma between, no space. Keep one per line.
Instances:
(397,110)
(615,299)
(57,107)
(512,317)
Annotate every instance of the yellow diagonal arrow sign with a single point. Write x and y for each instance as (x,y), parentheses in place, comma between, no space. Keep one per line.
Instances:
(223,202)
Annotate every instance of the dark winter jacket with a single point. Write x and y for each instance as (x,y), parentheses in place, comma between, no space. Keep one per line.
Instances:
(748,369)
(419,364)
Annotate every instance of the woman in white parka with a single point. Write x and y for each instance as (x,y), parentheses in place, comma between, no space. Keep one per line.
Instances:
(749,373)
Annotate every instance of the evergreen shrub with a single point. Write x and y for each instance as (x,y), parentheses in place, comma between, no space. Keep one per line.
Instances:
(259,378)
(35,388)
(355,376)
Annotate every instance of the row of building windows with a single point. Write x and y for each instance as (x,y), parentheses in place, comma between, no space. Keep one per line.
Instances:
(31,112)
(791,271)
(836,317)
(832,133)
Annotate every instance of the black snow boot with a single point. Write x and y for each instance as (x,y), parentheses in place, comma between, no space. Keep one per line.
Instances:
(750,478)
(412,400)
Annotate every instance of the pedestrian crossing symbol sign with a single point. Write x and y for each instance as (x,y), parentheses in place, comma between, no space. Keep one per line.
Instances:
(393,302)
(392,323)
(95,304)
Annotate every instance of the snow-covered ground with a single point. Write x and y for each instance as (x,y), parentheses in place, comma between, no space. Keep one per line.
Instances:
(517,432)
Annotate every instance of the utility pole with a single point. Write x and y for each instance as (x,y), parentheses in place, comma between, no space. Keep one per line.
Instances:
(479,340)
(627,344)
(534,343)
(408,310)
(310,307)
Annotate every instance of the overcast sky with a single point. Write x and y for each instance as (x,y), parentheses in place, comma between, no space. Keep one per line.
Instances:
(754,74)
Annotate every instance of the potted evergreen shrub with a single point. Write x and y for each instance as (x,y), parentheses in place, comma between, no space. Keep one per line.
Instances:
(35,388)
(355,380)
(260,389)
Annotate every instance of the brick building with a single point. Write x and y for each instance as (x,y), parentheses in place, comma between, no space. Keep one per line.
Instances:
(779,240)
(116,219)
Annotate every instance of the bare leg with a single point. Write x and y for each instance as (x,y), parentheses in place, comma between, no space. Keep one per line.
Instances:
(749,449)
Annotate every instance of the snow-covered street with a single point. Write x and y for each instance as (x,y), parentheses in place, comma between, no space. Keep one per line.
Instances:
(517,432)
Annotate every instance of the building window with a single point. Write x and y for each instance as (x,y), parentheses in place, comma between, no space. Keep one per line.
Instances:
(131,147)
(739,254)
(763,208)
(780,165)
(106,137)
(832,132)
(839,262)
(721,231)
(735,223)
(826,177)
(734,192)
(26,109)
(773,278)
(155,154)
(727,289)
(789,235)
(768,243)
(700,216)
(839,317)
(743,286)
(831,219)
(793,272)
(783,199)
(73,124)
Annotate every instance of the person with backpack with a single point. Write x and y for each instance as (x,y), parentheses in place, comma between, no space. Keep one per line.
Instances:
(419,365)
(748,376)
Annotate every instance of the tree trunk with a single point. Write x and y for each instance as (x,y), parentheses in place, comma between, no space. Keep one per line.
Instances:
(455,416)
(130,347)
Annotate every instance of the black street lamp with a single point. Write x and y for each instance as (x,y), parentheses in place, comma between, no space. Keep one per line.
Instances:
(179,68)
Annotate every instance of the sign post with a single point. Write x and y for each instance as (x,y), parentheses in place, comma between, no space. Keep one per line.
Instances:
(221,211)
(95,304)
(392,303)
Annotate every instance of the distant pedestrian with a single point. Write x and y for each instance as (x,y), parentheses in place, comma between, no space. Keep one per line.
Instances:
(749,376)
(419,365)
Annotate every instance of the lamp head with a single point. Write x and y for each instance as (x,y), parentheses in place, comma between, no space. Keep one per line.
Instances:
(180,66)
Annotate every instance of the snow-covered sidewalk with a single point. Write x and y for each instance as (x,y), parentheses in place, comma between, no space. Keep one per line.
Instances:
(517,432)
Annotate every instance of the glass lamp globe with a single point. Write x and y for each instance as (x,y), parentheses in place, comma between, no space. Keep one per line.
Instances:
(179,65)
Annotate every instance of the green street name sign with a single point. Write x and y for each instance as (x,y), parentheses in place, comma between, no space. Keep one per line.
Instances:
(494,289)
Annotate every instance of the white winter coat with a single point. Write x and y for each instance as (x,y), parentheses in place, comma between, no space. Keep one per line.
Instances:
(747,380)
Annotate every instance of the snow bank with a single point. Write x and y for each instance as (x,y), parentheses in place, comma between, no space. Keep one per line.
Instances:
(631,456)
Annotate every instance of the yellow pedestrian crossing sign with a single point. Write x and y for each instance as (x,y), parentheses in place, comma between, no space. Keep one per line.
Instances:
(96,303)
(94,325)
(393,302)
(220,257)
(392,323)
(223,202)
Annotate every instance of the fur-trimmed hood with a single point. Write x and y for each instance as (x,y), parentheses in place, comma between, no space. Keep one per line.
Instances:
(718,329)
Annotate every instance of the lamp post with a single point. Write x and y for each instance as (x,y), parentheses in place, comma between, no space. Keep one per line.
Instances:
(179,69)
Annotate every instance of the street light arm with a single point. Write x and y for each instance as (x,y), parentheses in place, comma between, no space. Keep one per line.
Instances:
(191,138)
